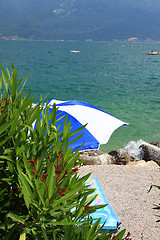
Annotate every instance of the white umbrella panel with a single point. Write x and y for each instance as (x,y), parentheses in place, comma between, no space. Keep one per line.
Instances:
(100,124)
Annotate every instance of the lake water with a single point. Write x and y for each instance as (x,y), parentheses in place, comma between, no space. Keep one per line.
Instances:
(123,81)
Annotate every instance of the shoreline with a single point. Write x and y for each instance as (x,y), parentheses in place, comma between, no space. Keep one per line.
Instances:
(126,188)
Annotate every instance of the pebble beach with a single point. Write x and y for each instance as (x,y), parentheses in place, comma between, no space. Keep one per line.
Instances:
(126,188)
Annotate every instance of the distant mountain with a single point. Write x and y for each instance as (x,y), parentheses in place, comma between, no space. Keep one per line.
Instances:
(80,19)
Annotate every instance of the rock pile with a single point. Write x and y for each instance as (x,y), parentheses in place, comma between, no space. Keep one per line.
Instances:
(120,159)
(95,157)
(150,155)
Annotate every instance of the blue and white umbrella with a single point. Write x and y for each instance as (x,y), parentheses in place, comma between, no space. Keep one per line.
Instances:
(100,124)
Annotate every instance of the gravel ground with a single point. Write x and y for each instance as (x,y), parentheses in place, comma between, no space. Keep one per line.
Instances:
(126,188)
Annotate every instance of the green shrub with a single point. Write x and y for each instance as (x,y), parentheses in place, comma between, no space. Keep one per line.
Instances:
(41,193)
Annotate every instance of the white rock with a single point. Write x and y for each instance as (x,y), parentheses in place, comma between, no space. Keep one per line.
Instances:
(102,159)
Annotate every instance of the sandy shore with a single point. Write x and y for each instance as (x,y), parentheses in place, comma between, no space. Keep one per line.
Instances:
(126,188)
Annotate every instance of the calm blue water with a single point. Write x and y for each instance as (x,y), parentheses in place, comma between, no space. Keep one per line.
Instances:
(123,81)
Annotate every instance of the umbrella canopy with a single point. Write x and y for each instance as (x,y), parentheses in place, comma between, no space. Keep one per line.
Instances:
(100,124)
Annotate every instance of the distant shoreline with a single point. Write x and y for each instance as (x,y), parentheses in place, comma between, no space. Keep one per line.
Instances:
(18,38)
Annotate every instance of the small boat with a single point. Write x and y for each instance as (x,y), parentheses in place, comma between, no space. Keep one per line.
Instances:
(75,51)
(154,53)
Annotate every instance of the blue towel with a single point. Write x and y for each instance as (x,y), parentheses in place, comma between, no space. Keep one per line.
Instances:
(107,213)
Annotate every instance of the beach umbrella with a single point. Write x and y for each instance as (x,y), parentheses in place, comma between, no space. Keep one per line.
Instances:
(100,124)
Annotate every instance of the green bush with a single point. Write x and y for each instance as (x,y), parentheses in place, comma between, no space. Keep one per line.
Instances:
(41,194)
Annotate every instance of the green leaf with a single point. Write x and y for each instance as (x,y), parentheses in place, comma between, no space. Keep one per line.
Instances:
(47,118)
(120,234)
(94,228)
(26,179)
(69,195)
(53,114)
(35,114)
(0,83)
(14,82)
(105,235)
(66,132)
(23,79)
(64,223)
(26,186)
(79,214)
(9,76)
(16,218)
(68,154)
(78,130)
(27,166)
(51,179)
(76,139)
(90,199)
(5,78)
(5,126)
(156,186)
(44,231)
(40,188)
(6,158)
(22,236)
